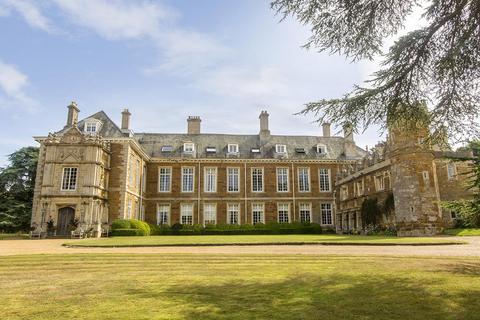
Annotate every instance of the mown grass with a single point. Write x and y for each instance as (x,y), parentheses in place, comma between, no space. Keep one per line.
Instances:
(463,232)
(13,236)
(122,286)
(256,239)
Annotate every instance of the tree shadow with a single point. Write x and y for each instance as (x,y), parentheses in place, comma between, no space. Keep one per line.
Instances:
(307,296)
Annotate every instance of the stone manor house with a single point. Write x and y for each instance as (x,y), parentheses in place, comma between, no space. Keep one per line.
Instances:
(96,172)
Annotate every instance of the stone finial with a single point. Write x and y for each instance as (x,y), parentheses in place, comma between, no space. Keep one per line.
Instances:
(193,125)
(72,117)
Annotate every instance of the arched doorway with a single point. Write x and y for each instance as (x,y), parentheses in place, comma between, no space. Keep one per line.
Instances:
(65,217)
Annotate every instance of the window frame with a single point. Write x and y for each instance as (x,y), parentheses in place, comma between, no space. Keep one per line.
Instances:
(262,205)
(277,169)
(190,144)
(211,205)
(160,168)
(300,209)
(320,180)
(228,179)
(233,145)
(321,146)
(91,124)
(182,187)
(166,205)
(279,204)
(281,146)
(308,179)
(324,211)
(452,176)
(69,179)
(182,211)
(206,180)
(262,180)
(238,210)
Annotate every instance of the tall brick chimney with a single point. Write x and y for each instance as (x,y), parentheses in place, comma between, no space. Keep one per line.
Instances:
(348,132)
(326,129)
(126,120)
(72,118)
(193,125)
(264,131)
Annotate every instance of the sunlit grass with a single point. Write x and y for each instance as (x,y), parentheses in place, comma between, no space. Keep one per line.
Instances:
(122,286)
(256,239)
(463,232)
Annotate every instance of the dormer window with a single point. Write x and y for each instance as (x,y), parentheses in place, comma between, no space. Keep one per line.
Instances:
(255,150)
(232,148)
(321,149)
(211,150)
(188,147)
(91,127)
(300,151)
(167,148)
(280,148)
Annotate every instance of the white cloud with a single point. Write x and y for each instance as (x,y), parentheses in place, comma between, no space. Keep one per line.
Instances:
(243,82)
(13,83)
(30,12)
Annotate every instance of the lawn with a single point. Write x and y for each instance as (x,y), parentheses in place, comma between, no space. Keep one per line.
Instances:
(120,286)
(13,236)
(463,232)
(160,241)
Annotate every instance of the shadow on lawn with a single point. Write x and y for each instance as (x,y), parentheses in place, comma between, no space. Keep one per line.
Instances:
(307,297)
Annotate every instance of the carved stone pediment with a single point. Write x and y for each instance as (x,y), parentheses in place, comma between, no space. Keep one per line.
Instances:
(73,135)
(76,154)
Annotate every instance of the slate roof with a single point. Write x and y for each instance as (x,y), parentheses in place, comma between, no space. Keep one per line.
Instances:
(152,143)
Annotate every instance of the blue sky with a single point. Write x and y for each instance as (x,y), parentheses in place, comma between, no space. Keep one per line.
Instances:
(224,60)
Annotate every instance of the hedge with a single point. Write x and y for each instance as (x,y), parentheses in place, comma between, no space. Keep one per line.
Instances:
(131,224)
(128,233)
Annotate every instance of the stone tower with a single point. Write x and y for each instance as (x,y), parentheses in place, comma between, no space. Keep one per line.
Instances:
(414,182)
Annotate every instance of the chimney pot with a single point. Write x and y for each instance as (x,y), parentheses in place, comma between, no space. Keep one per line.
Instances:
(326,129)
(264,130)
(193,124)
(126,119)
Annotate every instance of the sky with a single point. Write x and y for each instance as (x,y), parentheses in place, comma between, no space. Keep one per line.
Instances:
(222,60)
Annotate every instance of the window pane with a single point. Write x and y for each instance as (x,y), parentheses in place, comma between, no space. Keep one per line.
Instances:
(233,212)
(282,179)
(209,213)
(326,213)
(304,179)
(187,179)
(305,212)
(233,179)
(69,181)
(324,177)
(165,179)
(210,179)
(163,214)
(186,213)
(257,179)
(283,212)
(257,213)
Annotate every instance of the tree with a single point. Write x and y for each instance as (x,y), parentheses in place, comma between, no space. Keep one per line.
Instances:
(468,211)
(370,212)
(438,64)
(17,182)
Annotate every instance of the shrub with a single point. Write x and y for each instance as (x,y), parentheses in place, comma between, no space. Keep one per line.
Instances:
(137,224)
(121,224)
(128,233)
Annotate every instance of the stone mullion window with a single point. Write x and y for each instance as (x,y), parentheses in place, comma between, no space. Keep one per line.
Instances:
(163,214)
(233,213)
(165,179)
(209,213)
(258,213)
(283,212)
(257,179)
(326,211)
(305,212)
(69,179)
(233,179)
(324,180)
(188,178)
(186,213)
(210,180)
(282,179)
(303,179)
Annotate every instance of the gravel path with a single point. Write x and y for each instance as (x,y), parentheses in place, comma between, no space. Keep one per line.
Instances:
(54,246)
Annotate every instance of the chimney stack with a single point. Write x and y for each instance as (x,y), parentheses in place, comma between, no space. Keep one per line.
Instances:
(193,124)
(326,129)
(126,120)
(264,131)
(72,118)
(348,132)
